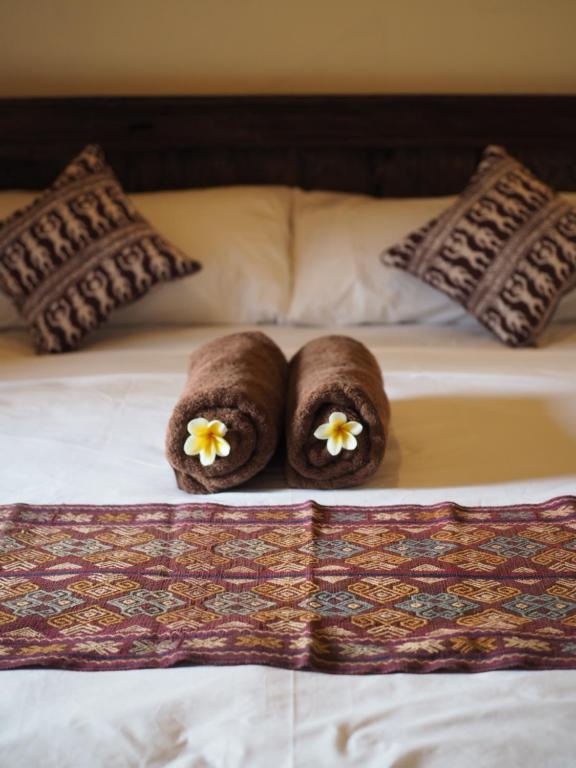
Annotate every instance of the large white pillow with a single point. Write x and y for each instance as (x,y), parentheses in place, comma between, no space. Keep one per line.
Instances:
(240,235)
(338,276)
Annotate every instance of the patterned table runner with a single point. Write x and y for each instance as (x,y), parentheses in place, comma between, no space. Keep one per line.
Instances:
(339,589)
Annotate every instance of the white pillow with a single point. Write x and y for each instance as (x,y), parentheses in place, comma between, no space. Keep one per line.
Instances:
(338,277)
(239,234)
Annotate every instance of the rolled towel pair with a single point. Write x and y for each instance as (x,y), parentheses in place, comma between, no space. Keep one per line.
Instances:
(228,422)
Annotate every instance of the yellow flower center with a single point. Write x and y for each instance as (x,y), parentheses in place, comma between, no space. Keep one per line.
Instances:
(206,440)
(339,433)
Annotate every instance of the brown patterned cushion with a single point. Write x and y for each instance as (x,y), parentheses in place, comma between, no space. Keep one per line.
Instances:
(506,249)
(79,251)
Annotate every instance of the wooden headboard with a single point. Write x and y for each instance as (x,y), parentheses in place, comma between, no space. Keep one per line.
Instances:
(381,145)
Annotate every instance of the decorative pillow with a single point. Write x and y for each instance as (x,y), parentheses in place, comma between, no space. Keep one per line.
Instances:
(79,251)
(505,250)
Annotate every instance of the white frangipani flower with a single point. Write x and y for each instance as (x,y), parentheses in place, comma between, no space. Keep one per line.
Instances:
(339,432)
(206,440)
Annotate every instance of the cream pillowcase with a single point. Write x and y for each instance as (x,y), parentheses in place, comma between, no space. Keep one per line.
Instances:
(241,236)
(338,276)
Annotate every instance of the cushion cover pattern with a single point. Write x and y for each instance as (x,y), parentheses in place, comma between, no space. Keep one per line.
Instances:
(505,250)
(79,251)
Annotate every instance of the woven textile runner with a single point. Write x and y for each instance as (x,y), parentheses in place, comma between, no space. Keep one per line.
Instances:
(339,589)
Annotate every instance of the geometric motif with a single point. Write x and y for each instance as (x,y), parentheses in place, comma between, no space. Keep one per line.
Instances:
(473,560)
(237,603)
(373,537)
(43,603)
(286,590)
(102,585)
(444,606)
(36,536)
(549,534)
(512,546)
(563,588)
(483,590)
(492,619)
(331,548)
(189,618)
(116,558)
(156,548)
(540,606)
(473,644)
(8,544)
(421,547)
(463,535)
(387,622)
(347,517)
(382,589)
(24,560)
(249,549)
(71,546)
(557,559)
(335,604)
(124,537)
(285,620)
(286,537)
(204,536)
(86,621)
(527,642)
(200,584)
(377,560)
(285,561)
(145,601)
(195,589)
(201,560)
(14,587)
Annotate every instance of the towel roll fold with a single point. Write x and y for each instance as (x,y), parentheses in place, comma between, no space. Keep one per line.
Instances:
(235,389)
(334,385)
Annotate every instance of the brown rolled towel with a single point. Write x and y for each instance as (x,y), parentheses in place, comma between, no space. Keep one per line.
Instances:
(337,414)
(234,396)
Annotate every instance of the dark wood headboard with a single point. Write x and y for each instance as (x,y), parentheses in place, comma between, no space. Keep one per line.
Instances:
(381,145)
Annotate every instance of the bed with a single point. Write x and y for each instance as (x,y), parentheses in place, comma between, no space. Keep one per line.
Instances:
(473,422)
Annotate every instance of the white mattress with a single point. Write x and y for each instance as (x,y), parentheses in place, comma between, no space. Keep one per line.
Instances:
(472,422)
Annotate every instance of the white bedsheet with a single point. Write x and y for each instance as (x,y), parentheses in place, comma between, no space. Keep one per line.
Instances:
(473,422)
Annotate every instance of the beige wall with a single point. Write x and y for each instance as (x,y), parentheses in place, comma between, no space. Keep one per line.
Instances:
(75,47)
